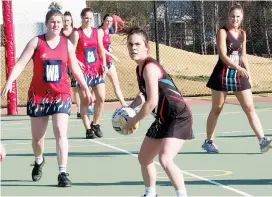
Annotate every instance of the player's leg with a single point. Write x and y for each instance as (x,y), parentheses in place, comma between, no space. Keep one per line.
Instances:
(75,94)
(218,100)
(169,149)
(100,93)
(76,98)
(60,126)
(38,129)
(149,149)
(84,111)
(246,100)
(91,107)
(2,152)
(113,77)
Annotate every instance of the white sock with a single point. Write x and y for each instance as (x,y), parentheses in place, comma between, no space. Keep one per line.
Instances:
(78,109)
(39,159)
(150,191)
(181,193)
(62,169)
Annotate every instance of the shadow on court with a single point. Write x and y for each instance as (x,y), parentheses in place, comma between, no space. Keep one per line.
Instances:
(240,136)
(221,153)
(13,183)
(77,138)
(26,185)
(139,183)
(17,139)
(76,154)
(168,183)
(109,154)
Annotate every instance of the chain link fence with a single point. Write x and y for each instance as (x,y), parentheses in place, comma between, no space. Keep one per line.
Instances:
(187,45)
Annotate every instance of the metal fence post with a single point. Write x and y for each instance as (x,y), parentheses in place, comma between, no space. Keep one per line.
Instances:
(156,32)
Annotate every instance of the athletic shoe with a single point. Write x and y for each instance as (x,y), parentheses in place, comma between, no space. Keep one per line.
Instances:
(78,115)
(96,130)
(265,144)
(210,147)
(37,170)
(90,134)
(63,180)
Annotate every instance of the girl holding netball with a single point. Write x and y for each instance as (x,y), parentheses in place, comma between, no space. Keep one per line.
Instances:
(173,119)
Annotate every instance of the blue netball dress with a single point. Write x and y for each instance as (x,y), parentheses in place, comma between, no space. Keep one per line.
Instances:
(225,78)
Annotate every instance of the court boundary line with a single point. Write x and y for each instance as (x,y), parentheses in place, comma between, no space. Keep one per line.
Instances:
(184,172)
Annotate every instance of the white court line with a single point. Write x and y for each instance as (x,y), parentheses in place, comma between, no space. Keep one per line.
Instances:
(3,123)
(184,172)
(71,146)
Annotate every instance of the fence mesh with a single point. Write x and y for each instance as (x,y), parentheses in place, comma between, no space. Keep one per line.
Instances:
(187,44)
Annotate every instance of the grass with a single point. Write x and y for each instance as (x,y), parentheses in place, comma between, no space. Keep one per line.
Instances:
(192,78)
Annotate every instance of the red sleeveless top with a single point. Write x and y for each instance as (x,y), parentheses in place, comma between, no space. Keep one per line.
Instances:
(107,45)
(69,35)
(87,53)
(49,70)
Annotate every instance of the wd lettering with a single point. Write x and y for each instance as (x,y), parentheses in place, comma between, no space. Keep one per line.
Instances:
(52,71)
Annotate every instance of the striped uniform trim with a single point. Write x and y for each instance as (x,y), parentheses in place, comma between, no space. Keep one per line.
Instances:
(167,81)
(230,79)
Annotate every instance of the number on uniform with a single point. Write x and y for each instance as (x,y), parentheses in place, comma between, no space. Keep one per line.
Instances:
(52,70)
(234,57)
(90,55)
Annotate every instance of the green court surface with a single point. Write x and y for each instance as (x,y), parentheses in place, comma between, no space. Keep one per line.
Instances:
(109,166)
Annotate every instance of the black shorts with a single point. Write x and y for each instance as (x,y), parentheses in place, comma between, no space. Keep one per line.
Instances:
(176,128)
(109,65)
